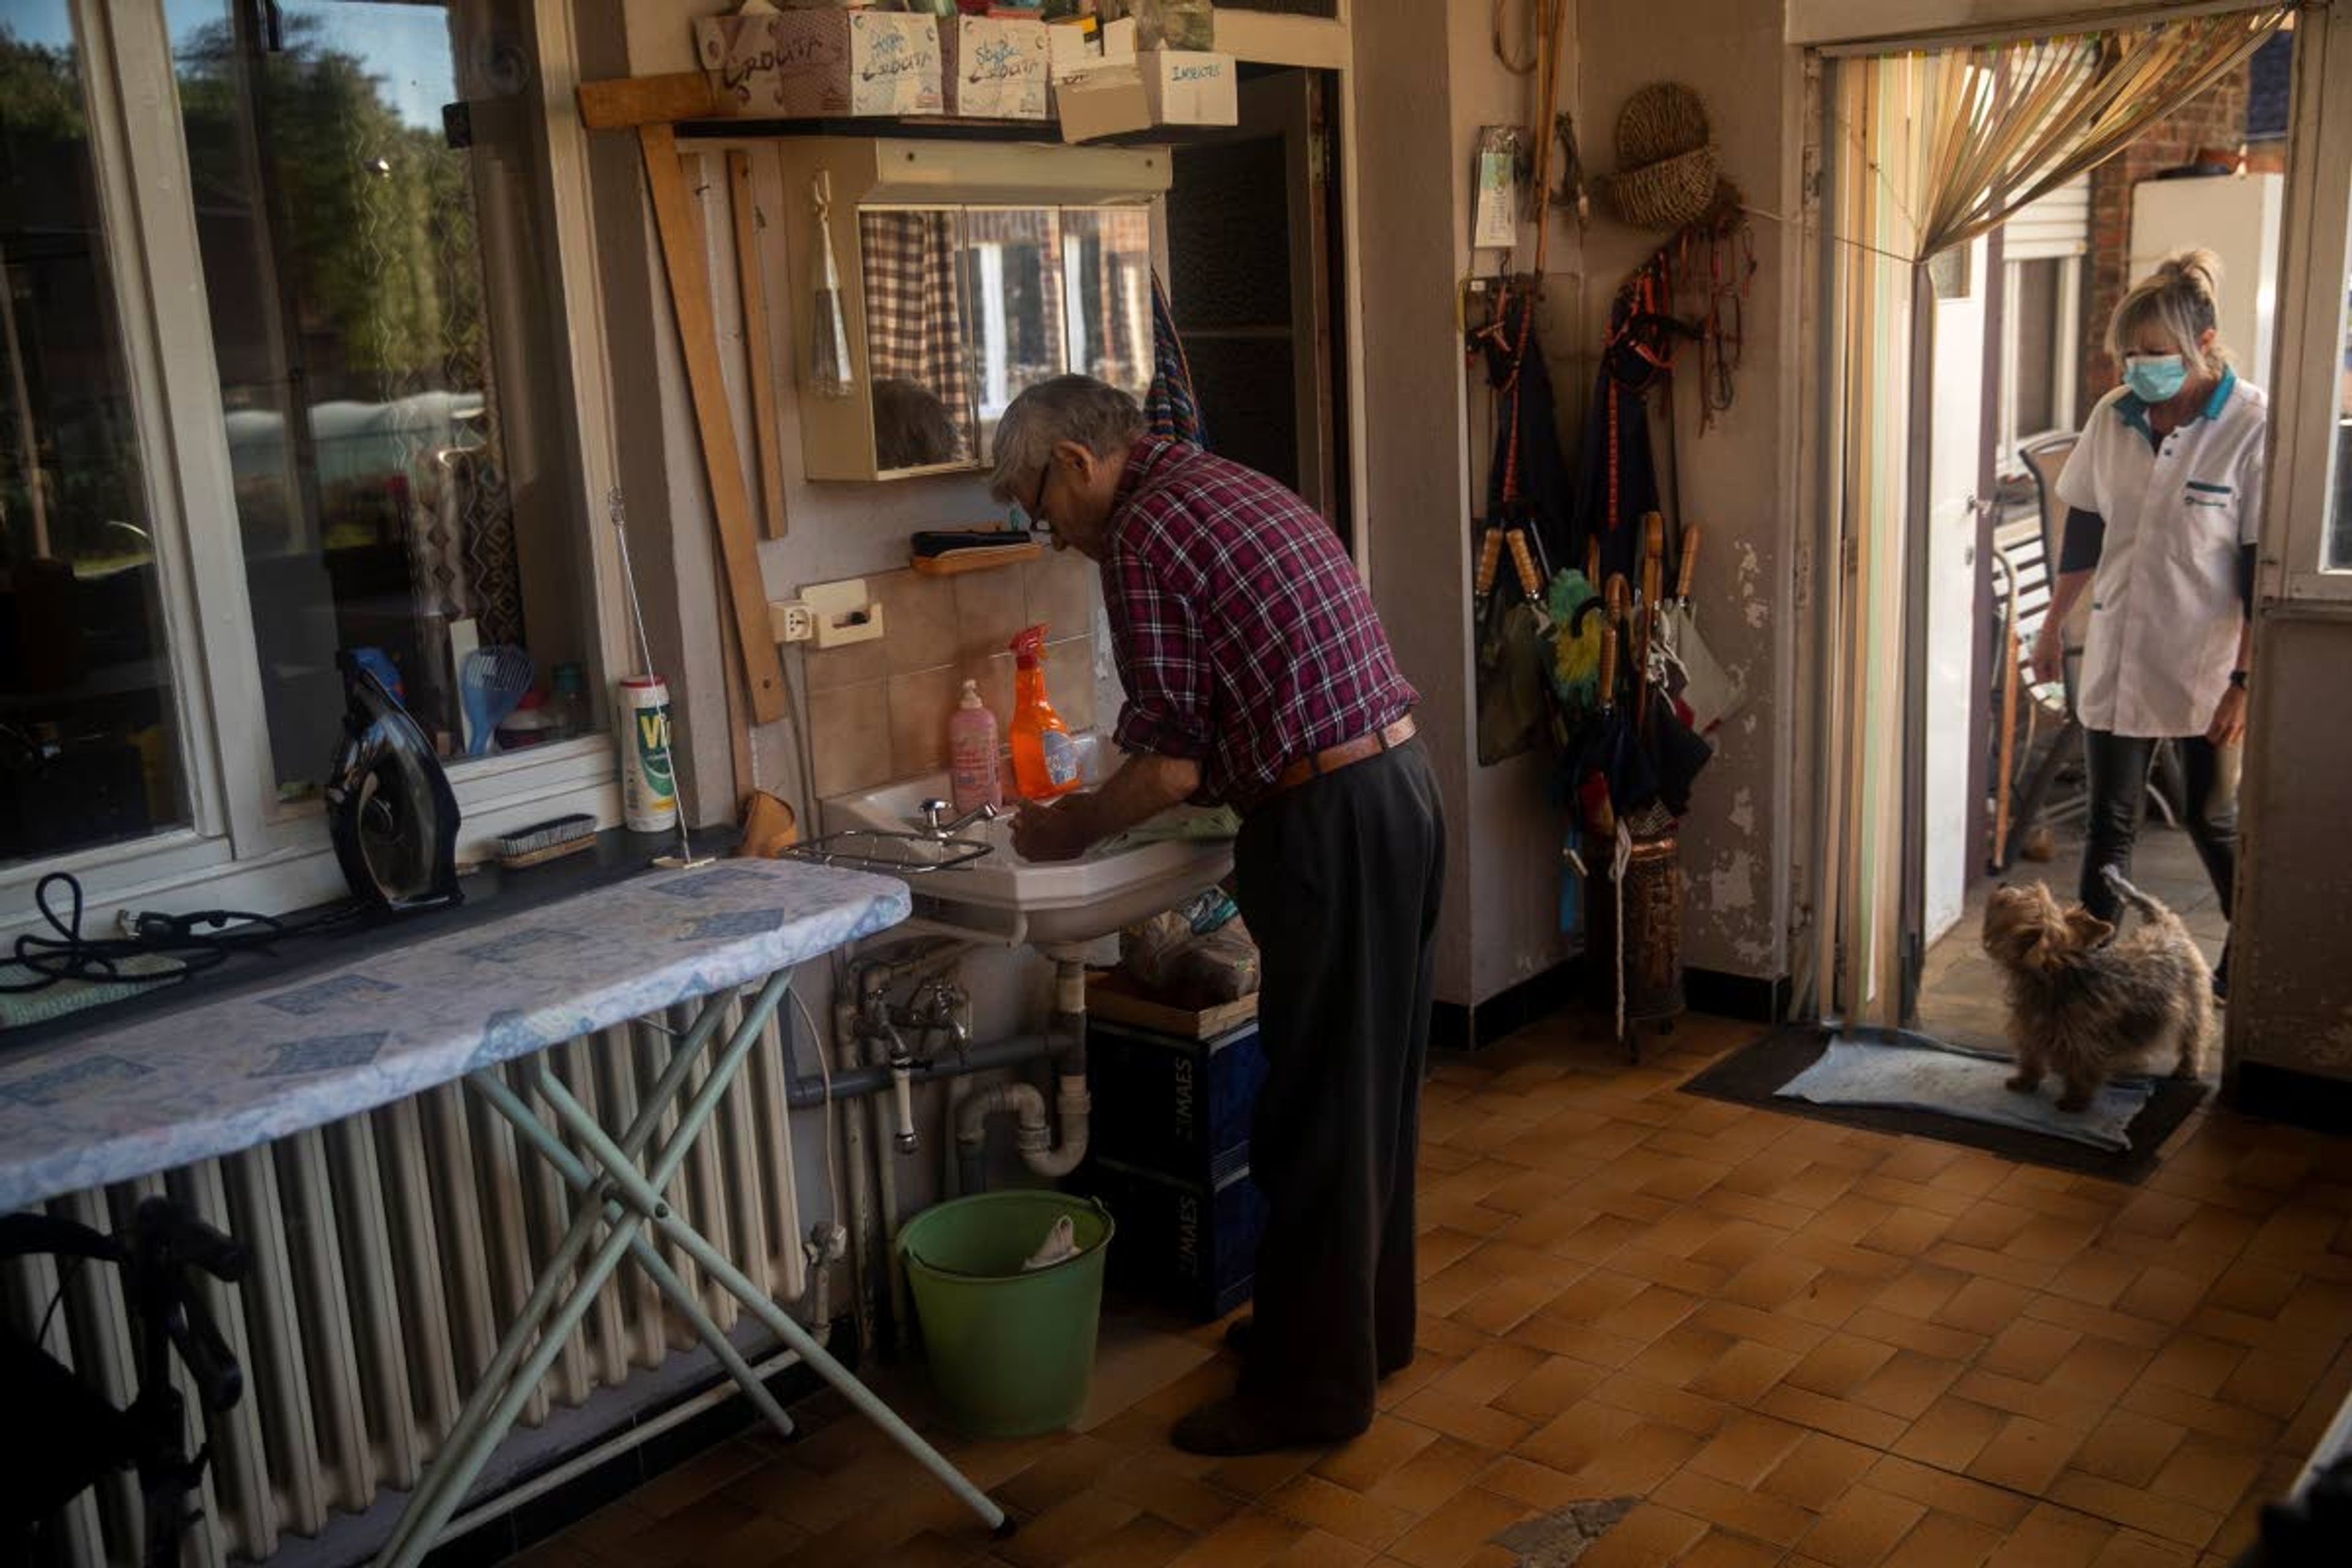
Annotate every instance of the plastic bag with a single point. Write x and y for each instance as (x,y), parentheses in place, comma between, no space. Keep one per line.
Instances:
(1184,969)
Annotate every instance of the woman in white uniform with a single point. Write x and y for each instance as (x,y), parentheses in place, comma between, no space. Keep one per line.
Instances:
(2164,494)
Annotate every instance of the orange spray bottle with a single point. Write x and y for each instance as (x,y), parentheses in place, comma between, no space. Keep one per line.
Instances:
(1045,759)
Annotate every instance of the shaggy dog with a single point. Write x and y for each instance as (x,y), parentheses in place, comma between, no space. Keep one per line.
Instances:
(2080,1005)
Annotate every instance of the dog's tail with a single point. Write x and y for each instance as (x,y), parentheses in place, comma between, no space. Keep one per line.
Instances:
(2150,909)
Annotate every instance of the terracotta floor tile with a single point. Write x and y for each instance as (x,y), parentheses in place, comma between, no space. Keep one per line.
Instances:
(1840,1417)
(2151,1510)
(2026,1455)
(2052,1535)
(1952,1434)
(1747,1449)
(1994,1507)
(2130,1549)
(1735,1508)
(2209,1474)
(1458,1530)
(2028,1349)
(1317,1550)
(1651,1534)
(1312,1500)
(1360,1464)
(2195,1364)
(1863,1528)
(2129,1449)
(1249,1540)
(1721,1549)
(1945,1541)
(1481,1426)
(1819,1470)
(1658,1402)
(1429,1478)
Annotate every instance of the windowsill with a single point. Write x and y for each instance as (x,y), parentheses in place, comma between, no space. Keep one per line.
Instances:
(490,893)
(295,865)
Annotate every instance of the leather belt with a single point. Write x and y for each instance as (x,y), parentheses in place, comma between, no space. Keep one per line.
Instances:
(1331,759)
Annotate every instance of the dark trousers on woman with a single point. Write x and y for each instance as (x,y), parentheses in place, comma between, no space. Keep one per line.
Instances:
(1338,880)
(2118,766)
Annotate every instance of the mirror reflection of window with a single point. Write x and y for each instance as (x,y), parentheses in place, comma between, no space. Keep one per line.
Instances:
(914,338)
(1107,262)
(1013,267)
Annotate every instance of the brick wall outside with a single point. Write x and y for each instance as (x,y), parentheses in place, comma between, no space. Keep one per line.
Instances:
(2216,119)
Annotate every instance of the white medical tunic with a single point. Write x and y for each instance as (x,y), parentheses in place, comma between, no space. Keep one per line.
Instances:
(2166,604)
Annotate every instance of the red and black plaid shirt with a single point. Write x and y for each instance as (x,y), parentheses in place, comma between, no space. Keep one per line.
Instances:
(1244,637)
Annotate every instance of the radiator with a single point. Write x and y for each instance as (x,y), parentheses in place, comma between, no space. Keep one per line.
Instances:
(390,1251)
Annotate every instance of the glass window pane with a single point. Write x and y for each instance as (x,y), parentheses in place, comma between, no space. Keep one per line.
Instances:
(89,749)
(914,338)
(360,172)
(1013,260)
(1106,257)
(2339,525)
(2035,323)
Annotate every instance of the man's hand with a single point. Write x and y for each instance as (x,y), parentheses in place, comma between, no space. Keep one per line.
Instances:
(1050,832)
(2050,651)
(2229,717)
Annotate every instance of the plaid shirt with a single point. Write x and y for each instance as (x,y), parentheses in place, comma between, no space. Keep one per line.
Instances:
(1244,637)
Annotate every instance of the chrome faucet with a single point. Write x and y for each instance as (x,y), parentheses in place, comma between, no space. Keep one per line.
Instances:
(935,821)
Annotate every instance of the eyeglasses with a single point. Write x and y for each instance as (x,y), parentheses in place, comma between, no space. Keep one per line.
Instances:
(1037,523)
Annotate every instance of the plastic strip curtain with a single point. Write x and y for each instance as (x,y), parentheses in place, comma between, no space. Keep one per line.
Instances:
(1932,149)
(1880,122)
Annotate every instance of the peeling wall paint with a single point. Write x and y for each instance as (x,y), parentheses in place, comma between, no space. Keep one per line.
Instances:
(1736,840)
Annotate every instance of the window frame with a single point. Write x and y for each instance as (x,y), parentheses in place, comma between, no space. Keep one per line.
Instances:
(2065,362)
(278,853)
(2312,289)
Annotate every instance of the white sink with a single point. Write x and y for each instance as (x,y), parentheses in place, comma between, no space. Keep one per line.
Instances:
(1024,902)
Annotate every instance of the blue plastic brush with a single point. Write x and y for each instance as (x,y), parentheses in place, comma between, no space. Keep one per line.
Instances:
(491,684)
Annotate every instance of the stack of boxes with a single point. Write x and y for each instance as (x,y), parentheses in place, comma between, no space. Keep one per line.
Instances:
(1169,1153)
(818,64)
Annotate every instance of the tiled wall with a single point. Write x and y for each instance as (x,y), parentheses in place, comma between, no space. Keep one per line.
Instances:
(879,710)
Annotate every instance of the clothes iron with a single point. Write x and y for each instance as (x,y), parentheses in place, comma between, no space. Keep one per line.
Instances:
(390,808)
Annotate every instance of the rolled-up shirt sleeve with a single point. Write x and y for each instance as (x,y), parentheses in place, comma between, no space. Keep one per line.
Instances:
(1163,663)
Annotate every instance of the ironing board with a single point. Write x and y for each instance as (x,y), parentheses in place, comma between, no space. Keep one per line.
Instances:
(109,1105)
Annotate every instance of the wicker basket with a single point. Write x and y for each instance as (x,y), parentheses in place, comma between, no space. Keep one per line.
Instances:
(1665,194)
(1666,159)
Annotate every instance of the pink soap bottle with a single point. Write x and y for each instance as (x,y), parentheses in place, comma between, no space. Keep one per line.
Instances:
(971,753)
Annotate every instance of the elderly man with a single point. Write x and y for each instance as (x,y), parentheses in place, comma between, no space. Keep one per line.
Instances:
(1257,674)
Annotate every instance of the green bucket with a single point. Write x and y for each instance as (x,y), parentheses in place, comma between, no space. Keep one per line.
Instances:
(1012,1353)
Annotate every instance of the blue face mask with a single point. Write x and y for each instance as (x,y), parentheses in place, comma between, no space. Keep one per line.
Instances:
(2155,378)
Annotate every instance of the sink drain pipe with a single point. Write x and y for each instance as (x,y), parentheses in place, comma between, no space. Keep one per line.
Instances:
(1073,1106)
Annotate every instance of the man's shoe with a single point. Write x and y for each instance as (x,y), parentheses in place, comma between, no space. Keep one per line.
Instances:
(1227,1428)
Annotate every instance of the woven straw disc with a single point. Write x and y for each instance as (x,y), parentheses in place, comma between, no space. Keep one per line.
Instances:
(1659,121)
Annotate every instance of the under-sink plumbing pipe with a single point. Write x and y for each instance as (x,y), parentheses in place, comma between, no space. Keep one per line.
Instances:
(1073,1106)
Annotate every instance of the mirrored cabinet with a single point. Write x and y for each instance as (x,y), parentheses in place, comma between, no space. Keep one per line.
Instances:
(960,275)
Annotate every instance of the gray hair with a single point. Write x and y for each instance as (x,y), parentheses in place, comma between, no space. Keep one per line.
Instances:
(1095,415)
(2179,299)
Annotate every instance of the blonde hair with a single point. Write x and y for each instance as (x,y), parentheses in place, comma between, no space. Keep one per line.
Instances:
(2179,298)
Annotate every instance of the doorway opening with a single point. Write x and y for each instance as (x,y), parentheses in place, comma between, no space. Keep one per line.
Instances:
(1961,766)
(1254,282)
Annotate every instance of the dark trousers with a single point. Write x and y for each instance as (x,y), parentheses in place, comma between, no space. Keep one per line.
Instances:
(1338,880)
(2118,768)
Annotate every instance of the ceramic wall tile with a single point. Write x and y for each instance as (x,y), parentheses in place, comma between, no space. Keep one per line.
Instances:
(921,706)
(1064,589)
(830,669)
(991,607)
(919,619)
(849,734)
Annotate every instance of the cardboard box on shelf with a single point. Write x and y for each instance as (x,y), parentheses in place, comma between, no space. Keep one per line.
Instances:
(995,68)
(1163,87)
(792,65)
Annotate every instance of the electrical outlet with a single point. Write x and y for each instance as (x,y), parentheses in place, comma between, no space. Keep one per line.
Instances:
(792,621)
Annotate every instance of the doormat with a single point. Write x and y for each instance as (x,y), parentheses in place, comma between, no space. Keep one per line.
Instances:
(1755,1073)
